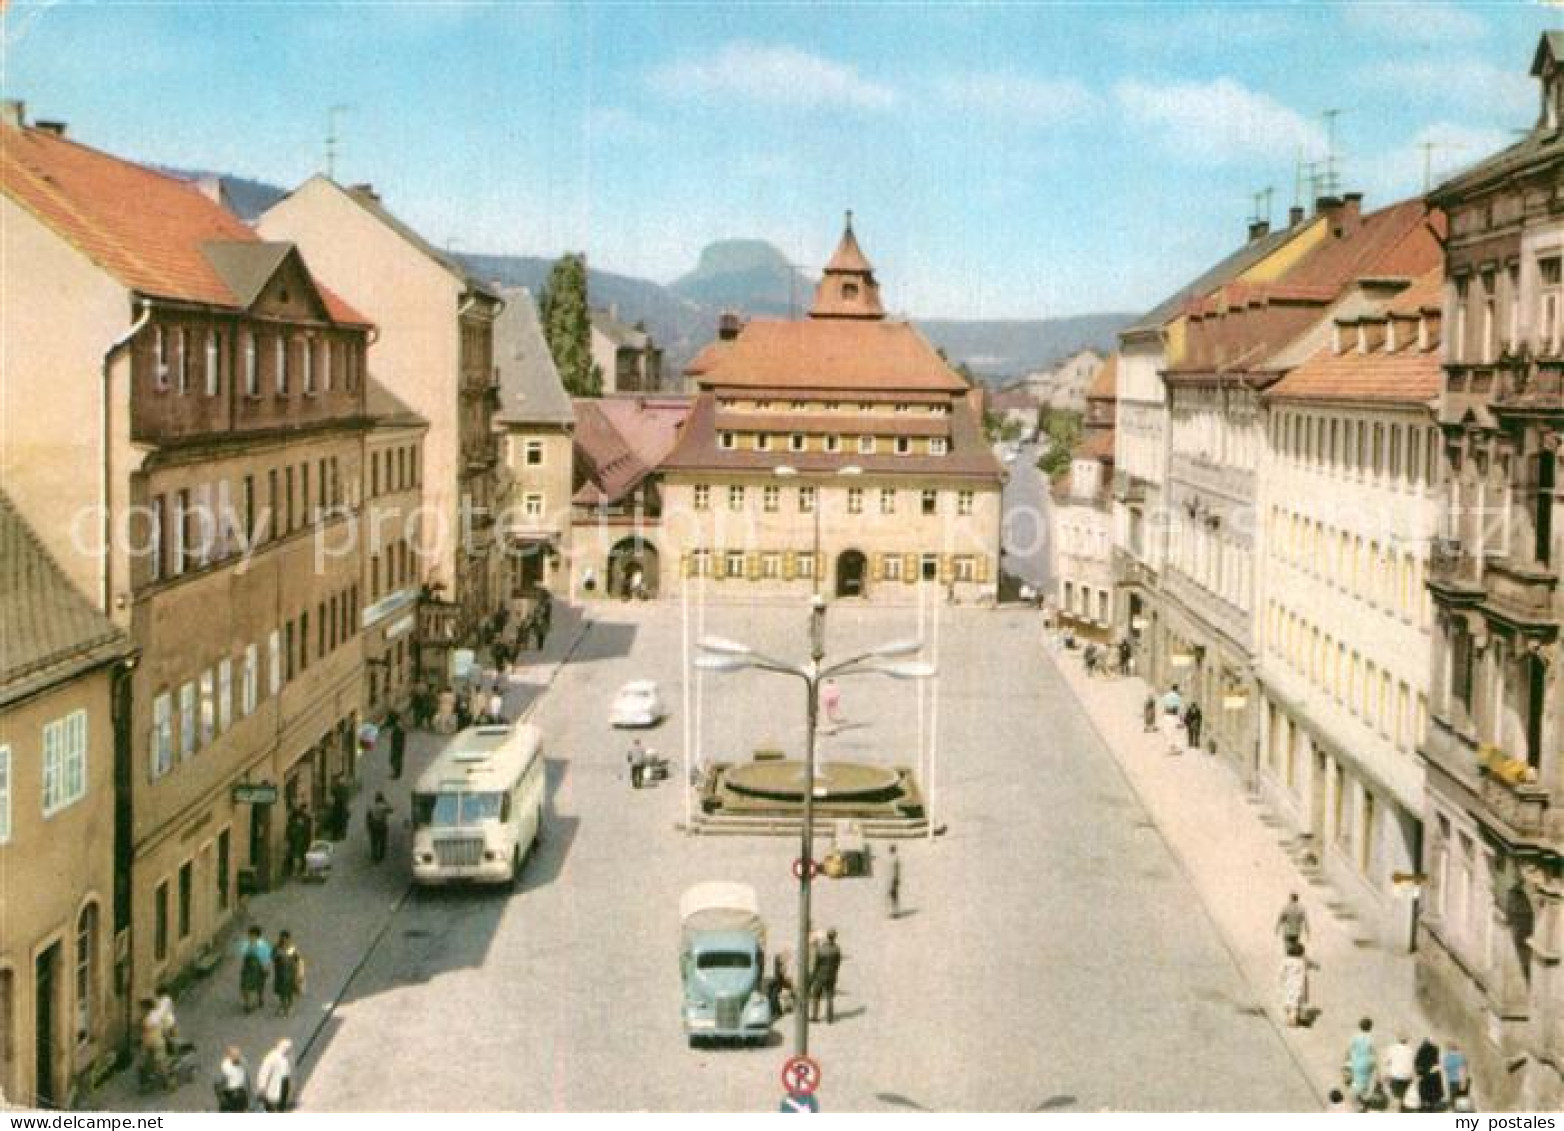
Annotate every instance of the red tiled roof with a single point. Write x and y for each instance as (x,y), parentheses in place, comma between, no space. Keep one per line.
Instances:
(969,455)
(1399,240)
(1105,385)
(1425,294)
(619,441)
(1409,376)
(827,355)
(142,227)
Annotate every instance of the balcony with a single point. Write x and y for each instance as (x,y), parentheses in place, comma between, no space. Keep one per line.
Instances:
(1522,808)
(1521,594)
(1130,570)
(1519,808)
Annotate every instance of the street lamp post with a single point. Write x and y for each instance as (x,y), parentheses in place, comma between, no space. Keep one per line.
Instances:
(719,655)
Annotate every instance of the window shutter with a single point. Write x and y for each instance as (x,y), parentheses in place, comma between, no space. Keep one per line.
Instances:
(982,567)
(789,565)
(909,568)
(875,568)
(947,567)
(752,565)
(686,565)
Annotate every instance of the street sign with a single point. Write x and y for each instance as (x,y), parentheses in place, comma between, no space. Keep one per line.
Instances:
(796,1104)
(800,864)
(254,793)
(801,1075)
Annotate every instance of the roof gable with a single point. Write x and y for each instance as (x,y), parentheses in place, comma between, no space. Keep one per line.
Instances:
(826,354)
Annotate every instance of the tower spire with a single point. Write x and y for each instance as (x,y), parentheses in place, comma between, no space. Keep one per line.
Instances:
(848,288)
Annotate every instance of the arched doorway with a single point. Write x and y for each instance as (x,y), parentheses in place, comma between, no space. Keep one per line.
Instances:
(850,568)
(631,558)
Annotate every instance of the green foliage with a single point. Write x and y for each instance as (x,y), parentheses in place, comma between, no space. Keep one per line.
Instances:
(567,326)
(1063,432)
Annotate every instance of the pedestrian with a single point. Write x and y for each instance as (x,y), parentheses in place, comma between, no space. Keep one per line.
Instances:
(1148,713)
(287,973)
(423,705)
(378,819)
(1362,1062)
(274,1079)
(297,834)
(1125,655)
(232,1084)
(1458,1081)
(341,796)
(255,963)
(1089,659)
(893,885)
(398,744)
(502,657)
(1430,1084)
(822,980)
(163,1015)
(831,700)
(635,757)
(780,992)
(1172,708)
(1292,922)
(1194,718)
(154,1044)
(496,705)
(1295,985)
(1400,1069)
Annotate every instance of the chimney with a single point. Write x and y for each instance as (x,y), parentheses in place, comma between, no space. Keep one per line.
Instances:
(1345,213)
(13,113)
(366,190)
(1258,229)
(729,325)
(55,128)
(1324,205)
(1295,215)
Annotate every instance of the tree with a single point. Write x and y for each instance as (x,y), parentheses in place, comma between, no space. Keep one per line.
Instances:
(567,326)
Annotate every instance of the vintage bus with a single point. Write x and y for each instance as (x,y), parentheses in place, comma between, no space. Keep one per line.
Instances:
(478,809)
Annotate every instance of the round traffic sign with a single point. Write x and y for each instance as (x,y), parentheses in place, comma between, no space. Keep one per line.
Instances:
(801,1075)
(800,864)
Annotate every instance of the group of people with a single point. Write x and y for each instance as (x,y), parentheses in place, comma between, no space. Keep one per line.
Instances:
(1403,1078)
(1107,660)
(272,1087)
(825,966)
(1181,723)
(279,962)
(159,1037)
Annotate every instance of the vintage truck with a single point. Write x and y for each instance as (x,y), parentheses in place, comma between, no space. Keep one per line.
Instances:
(722,960)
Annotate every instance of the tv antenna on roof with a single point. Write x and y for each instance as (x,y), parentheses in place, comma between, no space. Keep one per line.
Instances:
(332,137)
(1330,179)
(1261,199)
(1428,148)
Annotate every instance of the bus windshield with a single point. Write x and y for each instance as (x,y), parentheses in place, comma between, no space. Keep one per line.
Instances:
(452,810)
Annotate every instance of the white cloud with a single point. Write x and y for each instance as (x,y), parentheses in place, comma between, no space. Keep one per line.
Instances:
(1221,120)
(1398,172)
(1418,21)
(1037,101)
(776,74)
(1469,84)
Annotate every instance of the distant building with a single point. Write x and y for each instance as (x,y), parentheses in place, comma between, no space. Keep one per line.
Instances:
(1083,521)
(1494,852)
(1063,386)
(626,355)
(64,684)
(837,451)
(1013,407)
(537,425)
(618,508)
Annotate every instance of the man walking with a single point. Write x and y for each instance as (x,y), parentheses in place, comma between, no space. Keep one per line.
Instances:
(233,1082)
(636,757)
(398,744)
(287,973)
(1193,720)
(822,982)
(1292,923)
(1172,708)
(297,835)
(378,819)
(1400,1069)
(893,885)
(274,1080)
(255,964)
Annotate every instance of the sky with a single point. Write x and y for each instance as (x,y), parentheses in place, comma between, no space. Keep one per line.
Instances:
(1001,160)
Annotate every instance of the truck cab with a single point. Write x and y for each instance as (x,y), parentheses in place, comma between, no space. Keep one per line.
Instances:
(721,962)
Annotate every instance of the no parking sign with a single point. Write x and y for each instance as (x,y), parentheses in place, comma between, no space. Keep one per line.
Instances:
(801,1076)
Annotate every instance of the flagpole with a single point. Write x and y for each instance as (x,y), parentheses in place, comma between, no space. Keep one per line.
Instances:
(684,690)
(919,686)
(934,722)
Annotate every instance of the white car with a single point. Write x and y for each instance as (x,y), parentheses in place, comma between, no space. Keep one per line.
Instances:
(638,704)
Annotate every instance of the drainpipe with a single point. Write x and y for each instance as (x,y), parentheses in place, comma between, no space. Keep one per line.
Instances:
(109,354)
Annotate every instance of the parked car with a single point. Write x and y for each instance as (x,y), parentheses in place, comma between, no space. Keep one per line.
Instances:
(638,704)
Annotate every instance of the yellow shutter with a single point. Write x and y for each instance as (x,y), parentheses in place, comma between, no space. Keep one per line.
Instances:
(752,564)
(687,565)
(947,567)
(909,568)
(820,566)
(789,566)
(982,567)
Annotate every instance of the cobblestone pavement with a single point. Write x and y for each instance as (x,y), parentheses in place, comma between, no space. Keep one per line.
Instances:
(1236,862)
(1052,957)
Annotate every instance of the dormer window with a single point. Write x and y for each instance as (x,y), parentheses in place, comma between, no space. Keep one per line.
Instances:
(727,442)
(833,443)
(795,442)
(763,442)
(866,445)
(937,446)
(903,445)
(849,290)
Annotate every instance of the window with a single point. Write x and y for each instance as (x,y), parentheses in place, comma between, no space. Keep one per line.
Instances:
(733,564)
(964,502)
(763,442)
(855,500)
(1548,299)
(160,358)
(805,564)
(887,501)
(930,502)
(182,359)
(966,570)
(833,443)
(929,568)
(249,681)
(702,496)
(5,794)
(771,566)
(1463,288)
(274,657)
(534,453)
(208,707)
(155,538)
(180,550)
(328,357)
(224,853)
(1488,324)
(160,922)
(225,687)
(727,441)
(736,497)
(86,970)
(64,762)
(186,882)
(770,498)
(938,446)
(806,500)
(162,734)
(187,720)
(866,445)
(891,567)
(280,351)
(307,348)
(532,505)
(252,373)
(700,562)
(795,442)
(903,445)
(211,363)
